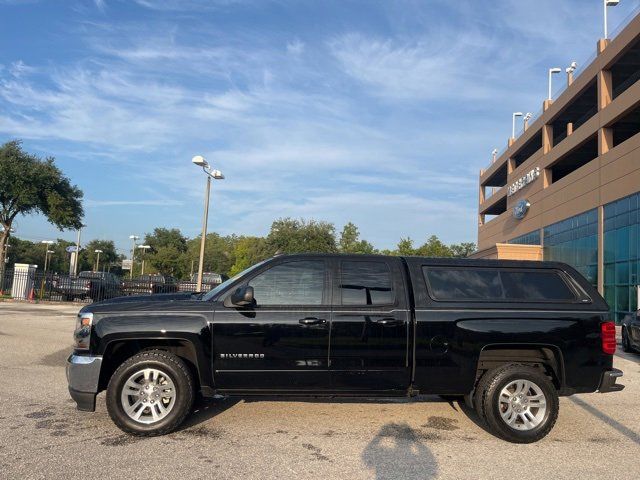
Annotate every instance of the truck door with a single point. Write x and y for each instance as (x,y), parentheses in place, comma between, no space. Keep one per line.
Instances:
(369,326)
(282,342)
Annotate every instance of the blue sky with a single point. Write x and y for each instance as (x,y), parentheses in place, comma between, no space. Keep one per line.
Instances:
(376,112)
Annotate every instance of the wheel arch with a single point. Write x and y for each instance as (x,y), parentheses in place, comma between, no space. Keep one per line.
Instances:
(118,351)
(544,356)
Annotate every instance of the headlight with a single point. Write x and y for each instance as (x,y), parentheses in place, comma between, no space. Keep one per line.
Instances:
(82,333)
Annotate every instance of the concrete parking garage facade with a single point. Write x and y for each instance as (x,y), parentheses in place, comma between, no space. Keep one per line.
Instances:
(568,188)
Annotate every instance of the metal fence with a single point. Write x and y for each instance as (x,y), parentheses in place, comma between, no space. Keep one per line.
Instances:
(38,286)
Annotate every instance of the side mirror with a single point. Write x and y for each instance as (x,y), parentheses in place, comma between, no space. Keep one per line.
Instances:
(243,296)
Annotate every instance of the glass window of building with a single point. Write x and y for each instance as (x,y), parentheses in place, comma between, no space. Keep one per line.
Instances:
(531,238)
(575,241)
(622,255)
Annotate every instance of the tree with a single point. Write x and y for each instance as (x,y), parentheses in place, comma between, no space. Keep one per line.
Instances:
(168,247)
(165,237)
(88,255)
(434,248)
(31,185)
(218,253)
(248,251)
(405,247)
(350,241)
(462,250)
(301,236)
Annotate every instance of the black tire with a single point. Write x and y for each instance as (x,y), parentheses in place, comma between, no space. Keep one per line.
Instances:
(175,369)
(626,342)
(492,384)
(478,395)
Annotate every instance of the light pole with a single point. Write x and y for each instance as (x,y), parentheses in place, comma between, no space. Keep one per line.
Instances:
(144,249)
(570,69)
(47,244)
(133,252)
(608,3)
(551,72)
(513,123)
(97,260)
(216,175)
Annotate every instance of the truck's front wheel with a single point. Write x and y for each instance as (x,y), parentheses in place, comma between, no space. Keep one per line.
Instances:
(519,403)
(150,394)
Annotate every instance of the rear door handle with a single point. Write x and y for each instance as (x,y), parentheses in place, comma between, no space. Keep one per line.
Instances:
(312,321)
(389,322)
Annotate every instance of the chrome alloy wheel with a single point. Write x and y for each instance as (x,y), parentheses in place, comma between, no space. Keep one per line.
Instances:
(522,405)
(148,395)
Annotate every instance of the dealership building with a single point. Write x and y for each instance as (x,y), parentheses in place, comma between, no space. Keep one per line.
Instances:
(568,187)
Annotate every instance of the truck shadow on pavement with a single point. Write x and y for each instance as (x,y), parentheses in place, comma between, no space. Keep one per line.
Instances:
(398,451)
(206,409)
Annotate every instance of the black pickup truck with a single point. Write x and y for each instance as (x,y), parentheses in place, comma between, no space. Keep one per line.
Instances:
(509,337)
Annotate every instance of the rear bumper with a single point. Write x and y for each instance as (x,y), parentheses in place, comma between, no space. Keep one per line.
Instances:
(608,381)
(83,375)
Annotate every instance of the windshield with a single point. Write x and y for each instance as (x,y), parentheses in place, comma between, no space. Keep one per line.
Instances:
(211,294)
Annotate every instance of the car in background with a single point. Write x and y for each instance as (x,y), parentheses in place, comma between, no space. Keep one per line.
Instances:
(96,286)
(631,332)
(150,284)
(210,280)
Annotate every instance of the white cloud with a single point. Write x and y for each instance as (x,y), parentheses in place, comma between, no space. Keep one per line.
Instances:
(295,48)
(433,68)
(19,69)
(137,203)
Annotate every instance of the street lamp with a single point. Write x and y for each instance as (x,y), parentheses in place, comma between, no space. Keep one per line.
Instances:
(570,69)
(46,244)
(551,72)
(98,259)
(513,123)
(144,248)
(133,252)
(608,3)
(216,175)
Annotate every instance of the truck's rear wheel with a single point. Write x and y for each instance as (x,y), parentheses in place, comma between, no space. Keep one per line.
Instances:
(150,394)
(519,403)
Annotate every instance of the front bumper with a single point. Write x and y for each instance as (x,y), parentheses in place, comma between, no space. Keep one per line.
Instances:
(608,381)
(83,376)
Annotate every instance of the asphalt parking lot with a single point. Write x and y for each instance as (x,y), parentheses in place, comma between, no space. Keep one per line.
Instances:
(43,436)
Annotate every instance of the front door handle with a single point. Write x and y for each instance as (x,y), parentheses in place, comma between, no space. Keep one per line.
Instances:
(389,322)
(312,321)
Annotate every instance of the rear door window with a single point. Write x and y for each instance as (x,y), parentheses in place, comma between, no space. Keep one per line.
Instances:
(366,283)
(497,284)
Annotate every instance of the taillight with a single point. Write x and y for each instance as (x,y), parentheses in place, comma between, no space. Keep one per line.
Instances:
(608,336)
